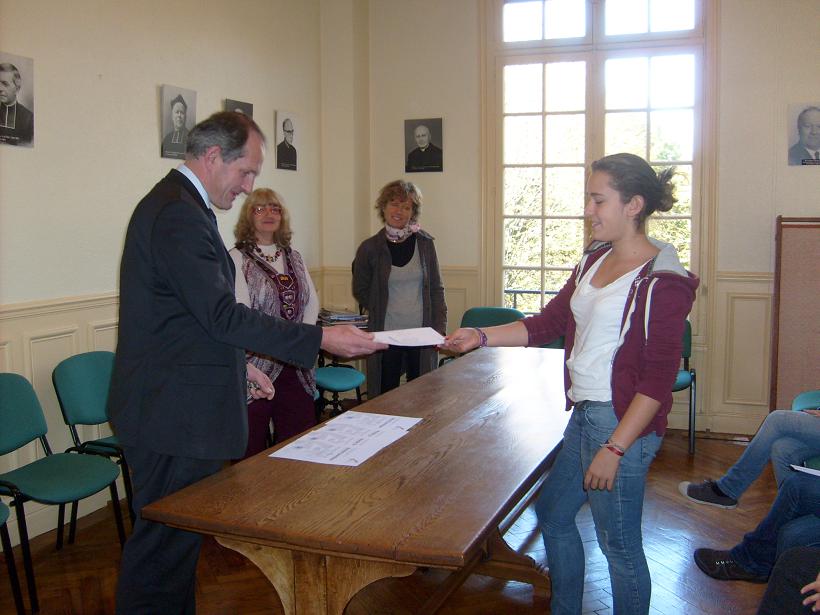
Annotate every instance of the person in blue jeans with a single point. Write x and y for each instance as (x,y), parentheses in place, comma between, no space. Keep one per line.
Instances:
(786,437)
(622,313)
(792,521)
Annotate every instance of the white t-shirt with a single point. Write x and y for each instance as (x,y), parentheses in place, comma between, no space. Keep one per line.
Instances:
(597,313)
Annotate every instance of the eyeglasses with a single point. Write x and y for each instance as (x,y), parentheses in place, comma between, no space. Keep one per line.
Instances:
(270,207)
(290,132)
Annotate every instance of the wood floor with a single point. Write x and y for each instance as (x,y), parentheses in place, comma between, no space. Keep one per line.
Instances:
(80,580)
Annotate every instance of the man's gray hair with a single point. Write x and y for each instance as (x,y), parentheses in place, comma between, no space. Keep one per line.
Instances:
(227,129)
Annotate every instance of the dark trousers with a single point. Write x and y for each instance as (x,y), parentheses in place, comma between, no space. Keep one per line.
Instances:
(291,410)
(795,569)
(158,568)
(398,359)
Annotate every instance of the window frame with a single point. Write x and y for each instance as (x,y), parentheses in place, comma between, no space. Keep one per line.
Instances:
(594,49)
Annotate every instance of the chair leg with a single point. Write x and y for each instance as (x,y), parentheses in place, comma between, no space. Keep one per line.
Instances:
(129,490)
(27,563)
(359,394)
(15,581)
(692,403)
(115,501)
(337,405)
(60,524)
(72,526)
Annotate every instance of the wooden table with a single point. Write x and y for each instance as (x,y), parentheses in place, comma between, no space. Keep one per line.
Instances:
(435,498)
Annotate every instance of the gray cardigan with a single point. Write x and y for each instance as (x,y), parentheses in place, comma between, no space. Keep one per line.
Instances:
(371,270)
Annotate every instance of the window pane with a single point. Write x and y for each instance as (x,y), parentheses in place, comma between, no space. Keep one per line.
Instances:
(626,83)
(522,242)
(565,86)
(625,17)
(522,88)
(564,191)
(522,139)
(554,281)
(668,15)
(676,232)
(672,135)
(522,21)
(673,81)
(522,280)
(563,242)
(564,19)
(565,138)
(626,132)
(683,190)
(522,191)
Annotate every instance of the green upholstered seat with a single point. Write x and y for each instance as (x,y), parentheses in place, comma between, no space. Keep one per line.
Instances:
(59,479)
(337,378)
(81,383)
(686,379)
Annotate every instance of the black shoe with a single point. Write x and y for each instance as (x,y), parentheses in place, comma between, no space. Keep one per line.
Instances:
(722,566)
(706,492)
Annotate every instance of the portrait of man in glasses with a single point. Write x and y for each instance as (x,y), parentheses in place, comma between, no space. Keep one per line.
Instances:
(285,150)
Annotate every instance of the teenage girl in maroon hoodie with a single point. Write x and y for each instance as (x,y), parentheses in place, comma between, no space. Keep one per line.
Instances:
(622,313)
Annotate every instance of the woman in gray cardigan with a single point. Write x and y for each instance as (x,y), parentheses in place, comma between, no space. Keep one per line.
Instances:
(396,278)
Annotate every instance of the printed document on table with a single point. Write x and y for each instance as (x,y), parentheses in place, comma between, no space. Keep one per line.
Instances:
(350,439)
(806,470)
(423,336)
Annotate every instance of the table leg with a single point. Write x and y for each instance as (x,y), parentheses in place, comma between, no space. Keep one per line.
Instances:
(311,583)
(502,562)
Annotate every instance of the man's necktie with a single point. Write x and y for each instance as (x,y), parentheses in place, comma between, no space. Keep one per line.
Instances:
(212,216)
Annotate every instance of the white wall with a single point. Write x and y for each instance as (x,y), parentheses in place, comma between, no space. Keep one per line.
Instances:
(98,66)
(769,58)
(425,62)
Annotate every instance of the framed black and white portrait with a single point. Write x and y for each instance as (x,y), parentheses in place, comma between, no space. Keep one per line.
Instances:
(178,113)
(287,143)
(423,146)
(804,134)
(16,100)
(239,107)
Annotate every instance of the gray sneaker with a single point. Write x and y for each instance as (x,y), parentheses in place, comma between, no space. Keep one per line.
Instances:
(706,492)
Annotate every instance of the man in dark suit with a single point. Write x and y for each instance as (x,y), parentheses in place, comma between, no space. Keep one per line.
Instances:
(285,152)
(807,148)
(16,122)
(427,156)
(178,392)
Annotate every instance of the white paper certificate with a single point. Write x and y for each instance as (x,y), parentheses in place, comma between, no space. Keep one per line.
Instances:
(349,439)
(423,336)
(806,470)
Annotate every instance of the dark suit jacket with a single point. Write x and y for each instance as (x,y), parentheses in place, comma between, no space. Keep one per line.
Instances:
(420,160)
(285,156)
(23,131)
(178,386)
(798,153)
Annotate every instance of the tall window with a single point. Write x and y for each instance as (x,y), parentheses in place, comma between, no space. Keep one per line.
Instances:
(599,77)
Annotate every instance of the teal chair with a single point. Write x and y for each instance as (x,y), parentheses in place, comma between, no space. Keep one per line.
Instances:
(486,316)
(9,555)
(336,378)
(81,383)
(804,401)
(687,380)
(56,479)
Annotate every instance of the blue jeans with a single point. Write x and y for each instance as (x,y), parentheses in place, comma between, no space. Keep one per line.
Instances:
(786,437)
(792,522)
(616,513)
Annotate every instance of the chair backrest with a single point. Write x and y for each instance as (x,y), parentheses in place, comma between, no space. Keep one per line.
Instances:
(490,316)
(21,416)
(81,383)
(687,341)
(806,399)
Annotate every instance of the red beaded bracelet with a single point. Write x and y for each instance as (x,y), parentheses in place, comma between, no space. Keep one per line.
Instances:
(614,448)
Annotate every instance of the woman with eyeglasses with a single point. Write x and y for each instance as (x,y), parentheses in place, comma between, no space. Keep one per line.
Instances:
(396,278)
(272,277)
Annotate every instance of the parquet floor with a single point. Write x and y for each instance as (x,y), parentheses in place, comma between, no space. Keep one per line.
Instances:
(80,579)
